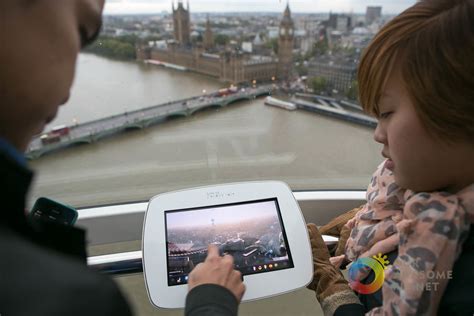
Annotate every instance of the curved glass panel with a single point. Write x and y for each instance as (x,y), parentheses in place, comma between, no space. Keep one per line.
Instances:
(199,66)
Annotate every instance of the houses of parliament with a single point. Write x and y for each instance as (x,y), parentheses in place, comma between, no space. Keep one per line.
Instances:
(229,64)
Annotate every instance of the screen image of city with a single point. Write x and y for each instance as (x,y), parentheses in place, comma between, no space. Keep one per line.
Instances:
(251,232)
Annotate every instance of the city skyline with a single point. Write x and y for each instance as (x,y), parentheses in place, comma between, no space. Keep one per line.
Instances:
(275,6)
(221,215)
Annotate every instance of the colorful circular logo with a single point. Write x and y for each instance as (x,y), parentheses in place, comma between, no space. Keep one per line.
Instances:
(376,264)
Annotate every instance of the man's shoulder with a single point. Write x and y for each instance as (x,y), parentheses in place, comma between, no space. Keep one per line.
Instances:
(44,281)
(21,254)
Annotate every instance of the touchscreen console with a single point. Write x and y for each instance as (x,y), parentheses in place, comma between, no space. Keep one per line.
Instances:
(252,232)
(259,224)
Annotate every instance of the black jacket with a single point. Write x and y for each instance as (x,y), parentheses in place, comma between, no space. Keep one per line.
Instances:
(458,298)
(43,268)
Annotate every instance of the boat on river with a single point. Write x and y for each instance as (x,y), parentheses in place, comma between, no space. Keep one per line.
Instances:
(280,103)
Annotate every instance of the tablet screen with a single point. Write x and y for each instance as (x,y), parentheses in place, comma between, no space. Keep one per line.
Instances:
(252,232)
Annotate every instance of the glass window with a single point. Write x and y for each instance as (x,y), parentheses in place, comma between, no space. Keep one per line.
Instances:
(117,149)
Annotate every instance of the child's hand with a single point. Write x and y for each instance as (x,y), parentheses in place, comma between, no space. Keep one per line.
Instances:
(337,261)
(327,279)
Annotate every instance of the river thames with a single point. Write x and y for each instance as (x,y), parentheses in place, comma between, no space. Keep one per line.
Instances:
(243,141)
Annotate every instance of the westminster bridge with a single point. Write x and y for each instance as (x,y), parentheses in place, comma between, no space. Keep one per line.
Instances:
(138,119)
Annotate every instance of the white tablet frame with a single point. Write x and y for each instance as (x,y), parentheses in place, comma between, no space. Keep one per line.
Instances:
(259,285)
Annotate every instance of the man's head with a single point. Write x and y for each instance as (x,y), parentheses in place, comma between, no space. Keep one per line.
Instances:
(40,43)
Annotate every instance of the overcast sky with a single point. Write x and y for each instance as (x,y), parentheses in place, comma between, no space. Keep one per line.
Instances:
(347,6)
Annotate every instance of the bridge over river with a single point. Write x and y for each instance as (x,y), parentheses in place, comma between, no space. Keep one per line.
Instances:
(92,131)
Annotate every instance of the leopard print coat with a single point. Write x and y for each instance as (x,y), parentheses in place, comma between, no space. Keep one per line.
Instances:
(428,228)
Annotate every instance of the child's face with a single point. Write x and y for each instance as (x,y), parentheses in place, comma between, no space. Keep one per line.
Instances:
(419,161)
(40,43)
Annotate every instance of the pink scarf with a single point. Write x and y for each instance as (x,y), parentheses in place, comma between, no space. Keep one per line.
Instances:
(428,229)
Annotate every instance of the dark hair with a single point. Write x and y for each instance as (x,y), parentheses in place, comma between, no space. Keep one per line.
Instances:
(433,42)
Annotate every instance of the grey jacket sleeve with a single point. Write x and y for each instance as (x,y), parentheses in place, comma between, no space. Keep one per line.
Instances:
(209,300)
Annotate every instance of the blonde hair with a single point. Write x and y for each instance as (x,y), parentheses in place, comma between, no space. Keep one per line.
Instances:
(433,43)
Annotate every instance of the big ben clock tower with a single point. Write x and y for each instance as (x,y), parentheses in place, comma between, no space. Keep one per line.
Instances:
(285,46)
